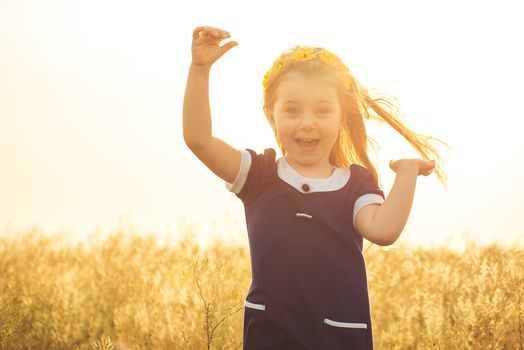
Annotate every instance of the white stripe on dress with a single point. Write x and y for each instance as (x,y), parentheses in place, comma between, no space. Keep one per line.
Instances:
(345,324)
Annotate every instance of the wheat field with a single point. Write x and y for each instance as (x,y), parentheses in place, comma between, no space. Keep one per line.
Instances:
(129,292)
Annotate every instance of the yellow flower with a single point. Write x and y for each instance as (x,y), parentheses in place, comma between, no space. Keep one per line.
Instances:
(329,59)
(307,53)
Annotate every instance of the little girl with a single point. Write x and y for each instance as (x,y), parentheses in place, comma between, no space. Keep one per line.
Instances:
(308,211)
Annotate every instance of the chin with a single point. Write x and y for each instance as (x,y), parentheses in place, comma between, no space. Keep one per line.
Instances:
(307,158)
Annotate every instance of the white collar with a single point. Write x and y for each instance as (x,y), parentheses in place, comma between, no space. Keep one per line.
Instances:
(335,181)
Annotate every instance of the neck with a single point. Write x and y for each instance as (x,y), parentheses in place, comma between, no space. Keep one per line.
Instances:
(317,170)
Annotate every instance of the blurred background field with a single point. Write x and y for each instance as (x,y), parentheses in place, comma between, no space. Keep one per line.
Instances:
(131,291)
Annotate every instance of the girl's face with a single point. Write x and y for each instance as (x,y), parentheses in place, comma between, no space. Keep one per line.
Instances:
(307,118)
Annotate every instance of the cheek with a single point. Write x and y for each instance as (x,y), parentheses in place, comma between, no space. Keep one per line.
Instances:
(286,138)
(331,135)
(285,130)
(334,133)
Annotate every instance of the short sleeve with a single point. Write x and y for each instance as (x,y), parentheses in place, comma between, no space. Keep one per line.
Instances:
(245,164)
(367,193)
(254,174)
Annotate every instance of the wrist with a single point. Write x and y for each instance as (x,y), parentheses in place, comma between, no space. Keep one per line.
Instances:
(200,68)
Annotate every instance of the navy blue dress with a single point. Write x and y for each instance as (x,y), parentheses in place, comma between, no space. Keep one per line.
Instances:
(309,285)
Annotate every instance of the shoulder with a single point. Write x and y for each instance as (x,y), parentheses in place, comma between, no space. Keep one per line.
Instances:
(257,169)
(359,170)
(365,179)
(262,161)
(268,155)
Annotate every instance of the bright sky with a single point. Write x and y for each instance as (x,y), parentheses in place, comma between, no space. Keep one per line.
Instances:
(91,96)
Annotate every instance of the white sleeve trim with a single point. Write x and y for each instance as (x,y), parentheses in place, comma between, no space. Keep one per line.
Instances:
(362,201)
(245,164)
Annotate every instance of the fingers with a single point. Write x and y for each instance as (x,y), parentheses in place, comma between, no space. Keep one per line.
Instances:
(393,165)
(196,32)
(210,31)
(425,167)
(430,169)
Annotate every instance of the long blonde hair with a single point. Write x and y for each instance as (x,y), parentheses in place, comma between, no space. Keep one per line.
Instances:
(357,103)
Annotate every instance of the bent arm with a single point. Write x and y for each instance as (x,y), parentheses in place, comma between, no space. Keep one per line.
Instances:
(220,157)
(383,224)
(197,113)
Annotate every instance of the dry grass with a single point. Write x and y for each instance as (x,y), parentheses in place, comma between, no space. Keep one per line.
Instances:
(130,293)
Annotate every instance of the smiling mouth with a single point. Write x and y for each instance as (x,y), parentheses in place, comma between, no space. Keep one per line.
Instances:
(307,142)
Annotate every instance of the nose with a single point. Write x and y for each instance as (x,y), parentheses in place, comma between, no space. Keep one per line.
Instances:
(307,122)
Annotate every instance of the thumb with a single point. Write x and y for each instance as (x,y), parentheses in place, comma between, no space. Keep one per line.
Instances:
(227,47)
(393,165)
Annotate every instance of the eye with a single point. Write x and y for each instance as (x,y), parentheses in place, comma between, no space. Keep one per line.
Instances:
(324,112)
(291,111)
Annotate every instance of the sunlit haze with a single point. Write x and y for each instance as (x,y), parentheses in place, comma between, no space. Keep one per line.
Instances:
(91,98)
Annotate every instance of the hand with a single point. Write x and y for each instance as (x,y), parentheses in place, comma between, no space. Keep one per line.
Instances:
(205,49)
(422,166)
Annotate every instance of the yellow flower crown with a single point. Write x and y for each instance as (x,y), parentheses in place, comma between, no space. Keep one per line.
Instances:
(307,53)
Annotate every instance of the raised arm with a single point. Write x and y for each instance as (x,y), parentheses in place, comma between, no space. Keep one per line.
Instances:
(218,156)
(383,223)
